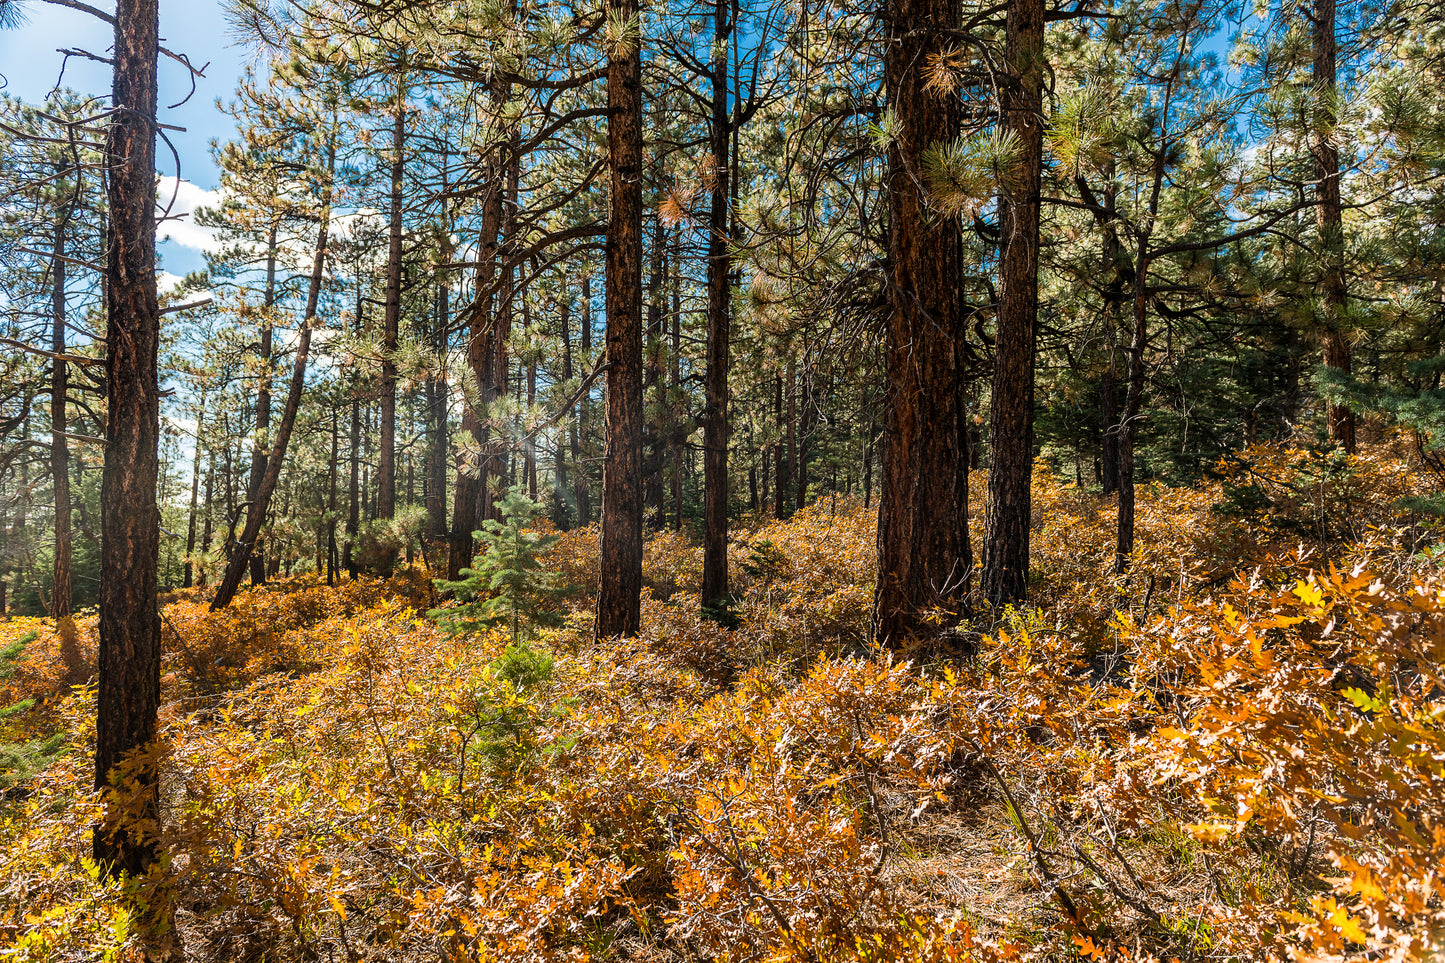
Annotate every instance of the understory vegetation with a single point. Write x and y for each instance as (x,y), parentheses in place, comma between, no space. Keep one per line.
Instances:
(1236,751)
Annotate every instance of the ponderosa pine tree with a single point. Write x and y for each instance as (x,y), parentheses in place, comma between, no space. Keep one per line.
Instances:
(128,698)
(1008,516)
(619,594)
(924,558)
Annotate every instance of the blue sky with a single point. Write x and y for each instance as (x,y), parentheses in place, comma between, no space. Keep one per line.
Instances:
(30,65)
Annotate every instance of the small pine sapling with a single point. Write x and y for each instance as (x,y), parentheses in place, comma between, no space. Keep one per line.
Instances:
(507,583)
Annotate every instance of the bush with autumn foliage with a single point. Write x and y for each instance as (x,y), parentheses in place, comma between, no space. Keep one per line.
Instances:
(1236,750)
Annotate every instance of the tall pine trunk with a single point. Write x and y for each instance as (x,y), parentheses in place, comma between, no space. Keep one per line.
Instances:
(1007,518)
(60,592)
(679,432)
(719,267)
(1328,213)
(619,596)
(924,557)
(130,655)
(391,322)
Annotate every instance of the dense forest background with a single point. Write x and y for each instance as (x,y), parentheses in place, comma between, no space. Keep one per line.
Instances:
(1236,243)
(707,467)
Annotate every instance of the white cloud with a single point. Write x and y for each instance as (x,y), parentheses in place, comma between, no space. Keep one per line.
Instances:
(167,283)
(179,224)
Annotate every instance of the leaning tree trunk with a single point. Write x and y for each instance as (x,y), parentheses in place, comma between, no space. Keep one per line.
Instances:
(719,266)
(1006,521)
(241,552)
(619,596)
(130,653)
(1340,419)
(924,557)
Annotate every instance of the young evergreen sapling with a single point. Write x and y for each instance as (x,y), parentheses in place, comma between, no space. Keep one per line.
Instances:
(507,583)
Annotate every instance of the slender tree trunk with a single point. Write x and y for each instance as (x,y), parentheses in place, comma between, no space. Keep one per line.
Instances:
(263,392)
(206,523)
(563,483)
(1328,213)
(679,432)
(1133,403)
(465,501)
(619,596)
(763,488)
(227,475)
(437,392)
(386,457)
(652,384)
(782,457)
(796,428)
(868,468)
(1010,505)
(530,445)
(188,578)
(1113,310)
(1109,412)
(130,652)
(353,509)
(60,592)
(924,557)
(719,323)
(333,471)
(470,502)
(436,411)
(579,468)
(504,464)
(243,548)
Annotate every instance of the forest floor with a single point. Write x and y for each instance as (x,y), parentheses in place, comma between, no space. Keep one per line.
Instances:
(1235,751)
